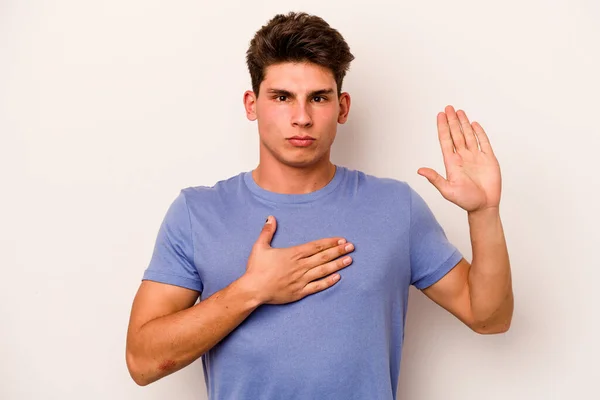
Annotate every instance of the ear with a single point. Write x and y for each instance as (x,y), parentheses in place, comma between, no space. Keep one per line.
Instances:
(250,105)
(344,107)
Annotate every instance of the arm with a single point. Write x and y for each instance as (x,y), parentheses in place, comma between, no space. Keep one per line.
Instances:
(167,333)
(490,280)
(479,294)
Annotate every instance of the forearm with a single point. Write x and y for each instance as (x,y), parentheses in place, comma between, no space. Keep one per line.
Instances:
(167,344)
(490,283)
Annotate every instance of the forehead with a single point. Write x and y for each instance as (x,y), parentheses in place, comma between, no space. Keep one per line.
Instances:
(298,77)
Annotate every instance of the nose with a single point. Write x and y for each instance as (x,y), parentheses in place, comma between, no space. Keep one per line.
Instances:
(301,117)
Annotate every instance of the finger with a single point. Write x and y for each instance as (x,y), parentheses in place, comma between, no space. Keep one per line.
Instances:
(436,179)
(457,136)
(468,133)
(444,136)
(329,254)
(268,230)
(323,270)
(484,141)
(320,285)
(308,249)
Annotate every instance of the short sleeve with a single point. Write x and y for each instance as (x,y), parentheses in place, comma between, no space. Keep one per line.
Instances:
(173,256)
(431,254)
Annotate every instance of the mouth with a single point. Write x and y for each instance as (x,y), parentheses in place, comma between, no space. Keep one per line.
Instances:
(301,141)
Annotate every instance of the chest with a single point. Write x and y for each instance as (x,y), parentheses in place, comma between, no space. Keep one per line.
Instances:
(222,245)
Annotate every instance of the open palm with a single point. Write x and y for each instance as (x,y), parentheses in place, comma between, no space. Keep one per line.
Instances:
(473,180)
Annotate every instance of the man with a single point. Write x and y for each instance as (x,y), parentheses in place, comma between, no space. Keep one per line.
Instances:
(314,308)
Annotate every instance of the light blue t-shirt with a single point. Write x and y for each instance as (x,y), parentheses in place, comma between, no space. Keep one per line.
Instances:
(342,343)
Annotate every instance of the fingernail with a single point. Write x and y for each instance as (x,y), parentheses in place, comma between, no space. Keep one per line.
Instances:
(268,221)
(349,247)
(341,241)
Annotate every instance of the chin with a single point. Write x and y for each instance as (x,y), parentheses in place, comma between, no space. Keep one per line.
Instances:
(295,157)
(301,161)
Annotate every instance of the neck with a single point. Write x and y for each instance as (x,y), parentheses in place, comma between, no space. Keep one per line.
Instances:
(284,179)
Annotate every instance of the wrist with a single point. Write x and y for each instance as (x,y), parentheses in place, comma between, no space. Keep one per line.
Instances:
(246,286)
(486,213)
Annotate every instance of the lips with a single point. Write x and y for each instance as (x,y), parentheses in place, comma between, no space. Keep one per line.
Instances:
(303,137)
(301,141)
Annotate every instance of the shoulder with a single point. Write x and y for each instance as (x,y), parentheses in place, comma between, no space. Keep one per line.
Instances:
(217,195)
(380,187)
(220,188)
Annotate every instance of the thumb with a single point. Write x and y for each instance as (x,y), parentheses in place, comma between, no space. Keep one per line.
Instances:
(268,230)
(436,179)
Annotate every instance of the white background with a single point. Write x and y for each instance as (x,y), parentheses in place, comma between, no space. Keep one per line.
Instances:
(108,108)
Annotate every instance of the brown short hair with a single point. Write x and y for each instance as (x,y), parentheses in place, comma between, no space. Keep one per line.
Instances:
(298,37)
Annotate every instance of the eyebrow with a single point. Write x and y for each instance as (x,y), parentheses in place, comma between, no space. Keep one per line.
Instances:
(282,92)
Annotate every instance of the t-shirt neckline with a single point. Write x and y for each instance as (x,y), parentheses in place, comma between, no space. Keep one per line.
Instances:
(294,198)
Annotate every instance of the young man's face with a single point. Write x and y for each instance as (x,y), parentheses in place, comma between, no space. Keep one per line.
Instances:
(297,110)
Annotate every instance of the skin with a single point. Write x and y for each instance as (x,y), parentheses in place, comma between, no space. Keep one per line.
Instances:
(479,294)
(167,331)
(296,99)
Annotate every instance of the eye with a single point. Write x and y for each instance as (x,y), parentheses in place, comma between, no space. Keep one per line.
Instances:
(282,98)
(319,99)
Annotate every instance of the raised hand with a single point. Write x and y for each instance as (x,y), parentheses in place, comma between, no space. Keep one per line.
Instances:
(473,180)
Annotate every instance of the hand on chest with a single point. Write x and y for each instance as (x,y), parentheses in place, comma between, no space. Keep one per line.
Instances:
(380,258)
